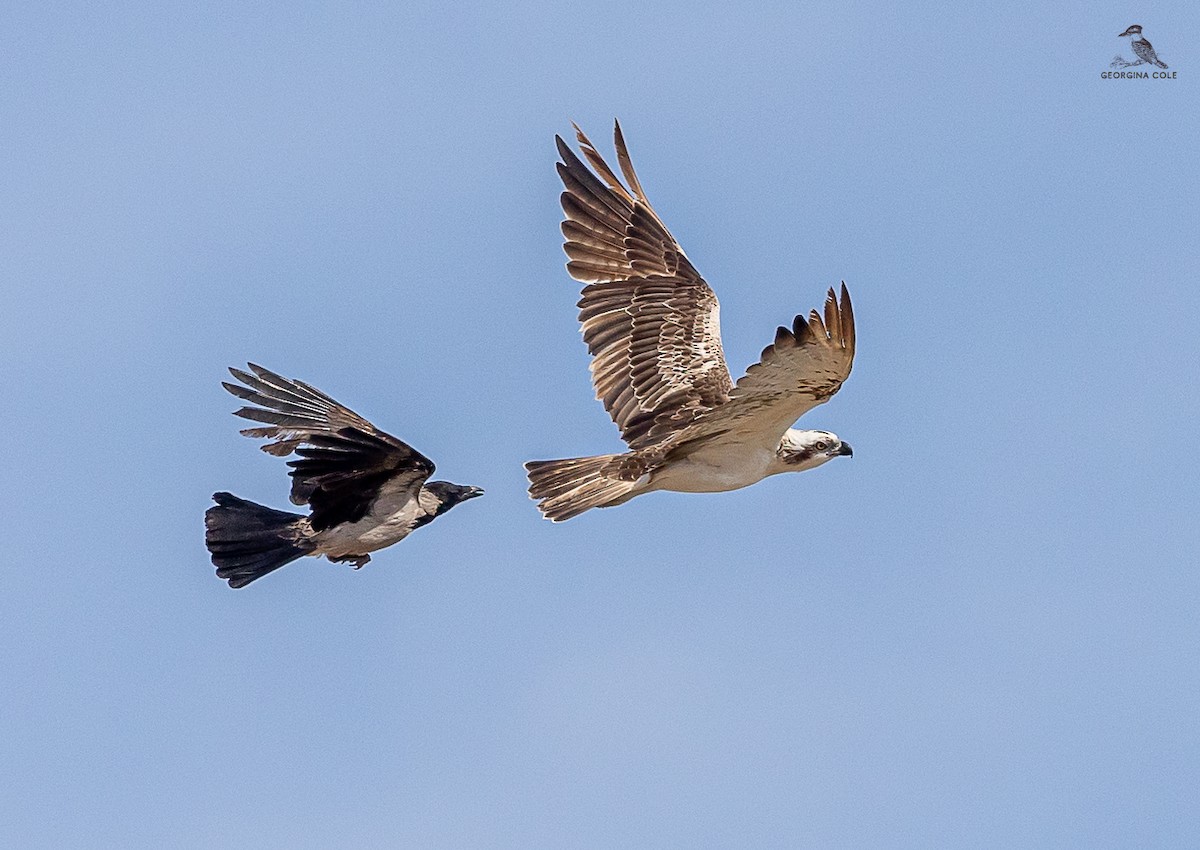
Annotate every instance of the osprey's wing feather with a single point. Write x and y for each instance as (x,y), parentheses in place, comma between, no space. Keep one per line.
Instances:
(613,233)
(344,459)
(804,367)
(650,321)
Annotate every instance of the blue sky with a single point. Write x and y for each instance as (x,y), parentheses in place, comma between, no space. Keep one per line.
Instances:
(981,631)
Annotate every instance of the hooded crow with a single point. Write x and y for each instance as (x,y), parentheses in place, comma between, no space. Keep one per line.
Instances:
(365,488)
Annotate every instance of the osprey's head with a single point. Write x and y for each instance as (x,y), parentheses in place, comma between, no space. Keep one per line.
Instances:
(449,495)
(1136,29)
(801,450)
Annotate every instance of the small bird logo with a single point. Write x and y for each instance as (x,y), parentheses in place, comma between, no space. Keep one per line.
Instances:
(1141,49)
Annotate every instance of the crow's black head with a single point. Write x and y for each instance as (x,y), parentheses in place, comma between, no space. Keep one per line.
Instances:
(449,495)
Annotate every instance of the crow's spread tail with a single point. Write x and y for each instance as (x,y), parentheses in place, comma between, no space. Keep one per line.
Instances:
(247,540)
(566,488)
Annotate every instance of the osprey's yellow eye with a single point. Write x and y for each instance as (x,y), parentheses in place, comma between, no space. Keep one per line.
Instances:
(822,445)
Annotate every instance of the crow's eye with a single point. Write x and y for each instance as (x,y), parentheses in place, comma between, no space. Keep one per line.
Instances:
(822,445)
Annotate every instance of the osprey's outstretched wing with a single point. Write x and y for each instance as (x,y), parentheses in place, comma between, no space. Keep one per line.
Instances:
(804,367)
(650,321)
(344,462)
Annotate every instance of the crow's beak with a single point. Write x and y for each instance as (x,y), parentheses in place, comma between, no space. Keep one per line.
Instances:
(846,449)
(473,492)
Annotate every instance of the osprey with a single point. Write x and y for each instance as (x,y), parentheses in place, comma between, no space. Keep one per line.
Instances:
(367,490)
(652,326)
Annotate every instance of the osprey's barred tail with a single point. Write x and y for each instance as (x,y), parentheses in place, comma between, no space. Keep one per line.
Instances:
(567,488)
(247,540)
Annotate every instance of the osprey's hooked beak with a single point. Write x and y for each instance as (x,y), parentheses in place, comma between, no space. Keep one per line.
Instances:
(847,450)
(1127,32)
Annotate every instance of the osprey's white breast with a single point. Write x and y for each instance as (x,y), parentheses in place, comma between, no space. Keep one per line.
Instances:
(715,469)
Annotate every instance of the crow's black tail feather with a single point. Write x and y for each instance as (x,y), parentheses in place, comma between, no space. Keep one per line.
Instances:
(248,540)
